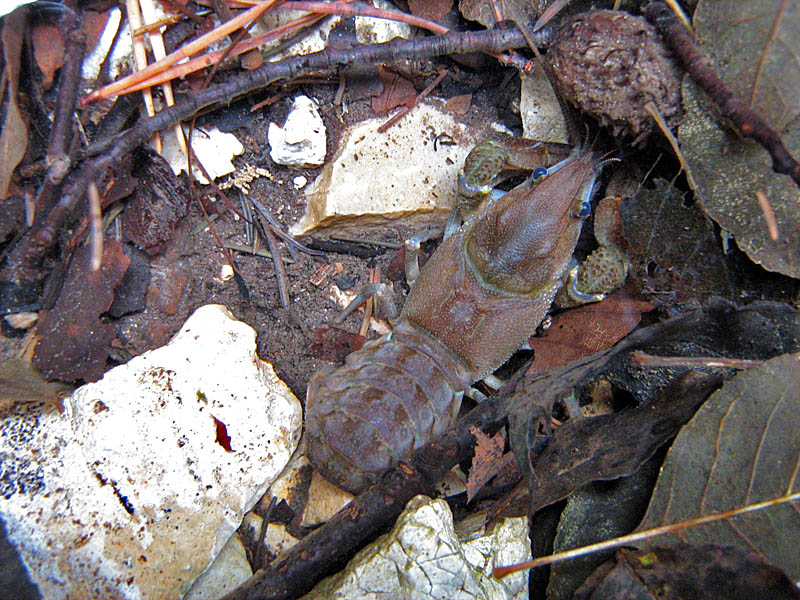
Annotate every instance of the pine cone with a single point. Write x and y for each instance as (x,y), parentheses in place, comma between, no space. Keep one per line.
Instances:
(610,64)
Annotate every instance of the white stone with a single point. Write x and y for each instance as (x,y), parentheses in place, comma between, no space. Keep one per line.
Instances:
(301,140)
(214,148)
(541,114)
(128,493)
(408,173)
(299,182)
(226,573)
(370,30)
(422,558)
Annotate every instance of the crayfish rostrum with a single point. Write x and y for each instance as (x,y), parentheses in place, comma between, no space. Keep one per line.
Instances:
(476,301)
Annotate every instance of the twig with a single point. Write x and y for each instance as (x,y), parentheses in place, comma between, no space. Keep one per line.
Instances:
(183,52)
(249,250)
(160,51)
(347,238)
(280,271)
(653,111)
(57,157)
(369,303)
(68,86)
(643,359)
(734,108)
(140,58)
(211,58)
(500,572)
(95,227)
(769,216)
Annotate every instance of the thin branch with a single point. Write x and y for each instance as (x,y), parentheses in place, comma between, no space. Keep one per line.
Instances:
(500,572)
(643,359)
(734,108)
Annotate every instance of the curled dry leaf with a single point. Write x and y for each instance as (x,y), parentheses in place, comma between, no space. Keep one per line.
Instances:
(14,136)
(740,448)
(459,104)
(159,201)
(397,91)
(686,571)
(754,48)
(487,461)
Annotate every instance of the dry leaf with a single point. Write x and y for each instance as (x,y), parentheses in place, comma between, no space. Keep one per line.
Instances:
(754,48)
(685,571)
(14,137)
(587,329)
(459,104)
(740,448)
(48,50)
(434,10)
(21,383)
(674,252)
(487,461)
(396,92)
(74,342)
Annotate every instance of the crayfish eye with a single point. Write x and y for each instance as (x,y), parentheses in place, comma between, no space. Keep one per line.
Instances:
(584,210)
(539,173)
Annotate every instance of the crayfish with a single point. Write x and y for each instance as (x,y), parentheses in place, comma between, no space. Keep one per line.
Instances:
(476,301)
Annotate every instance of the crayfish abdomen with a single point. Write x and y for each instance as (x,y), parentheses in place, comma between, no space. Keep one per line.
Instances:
(394,395)
(480,296)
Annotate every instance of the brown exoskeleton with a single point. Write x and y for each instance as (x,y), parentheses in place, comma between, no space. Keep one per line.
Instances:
(477,300)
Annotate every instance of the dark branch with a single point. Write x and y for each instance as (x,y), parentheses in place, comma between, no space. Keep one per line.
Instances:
(734,108)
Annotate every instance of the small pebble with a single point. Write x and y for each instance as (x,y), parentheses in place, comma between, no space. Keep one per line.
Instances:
(345,282)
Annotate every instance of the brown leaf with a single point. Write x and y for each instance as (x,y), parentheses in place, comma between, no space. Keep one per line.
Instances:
(685,571)
(434,10)
(459,104)
(397,91)
(740,448)
(21,383)
(14,137)
(587,329)
(73,341)
(754,47)
(48,50)
(674,252)
(487,461)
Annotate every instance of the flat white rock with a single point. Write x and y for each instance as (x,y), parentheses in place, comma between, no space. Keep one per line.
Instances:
(130,493)
(301,141)
(407,173)
(422,558)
